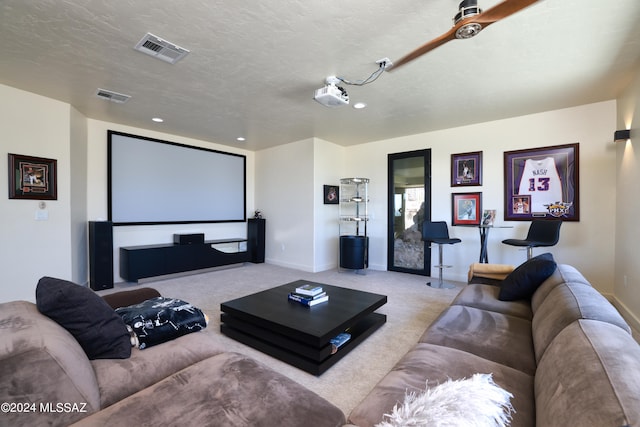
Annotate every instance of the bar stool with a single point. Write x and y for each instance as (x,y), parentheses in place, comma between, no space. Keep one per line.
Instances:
(437,232)
(542,232)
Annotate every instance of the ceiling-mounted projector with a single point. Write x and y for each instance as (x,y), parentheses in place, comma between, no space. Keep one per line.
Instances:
(332,95)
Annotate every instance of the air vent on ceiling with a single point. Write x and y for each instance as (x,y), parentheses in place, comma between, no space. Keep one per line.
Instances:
(161,49)
(112,96)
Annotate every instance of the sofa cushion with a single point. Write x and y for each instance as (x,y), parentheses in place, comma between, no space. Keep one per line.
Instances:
(564,274)
(485,297)
(589,376)
(224,390)
(119,378)
(498,337)
(100,331)
(522,282)
(565,304)
(41,363)
(434,365)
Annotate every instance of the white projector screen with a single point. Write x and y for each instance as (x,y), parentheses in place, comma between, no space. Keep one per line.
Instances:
(159,182)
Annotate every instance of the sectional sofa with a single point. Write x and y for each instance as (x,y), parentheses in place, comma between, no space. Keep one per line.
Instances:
(47,378)
(559,347)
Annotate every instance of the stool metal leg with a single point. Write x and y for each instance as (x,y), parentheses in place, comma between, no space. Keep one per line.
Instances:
(441,284)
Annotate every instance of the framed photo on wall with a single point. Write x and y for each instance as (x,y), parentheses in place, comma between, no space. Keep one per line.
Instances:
(32,178)
(466,169)
(466,208)
(542,183)
(331,193)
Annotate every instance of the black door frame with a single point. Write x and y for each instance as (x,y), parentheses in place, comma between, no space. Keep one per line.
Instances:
(426,156)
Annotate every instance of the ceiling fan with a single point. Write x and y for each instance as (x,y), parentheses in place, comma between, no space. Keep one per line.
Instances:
(468,22)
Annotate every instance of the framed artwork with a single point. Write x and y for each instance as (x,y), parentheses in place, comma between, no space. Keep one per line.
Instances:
(466,208)
(331,193)
(542,183)
(488,217)
(32,178)
(466,169)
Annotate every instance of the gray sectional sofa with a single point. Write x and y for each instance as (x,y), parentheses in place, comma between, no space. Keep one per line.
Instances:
(46,379)
(566,355)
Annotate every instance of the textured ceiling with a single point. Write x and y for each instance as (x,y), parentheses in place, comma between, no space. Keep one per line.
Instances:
(254,66)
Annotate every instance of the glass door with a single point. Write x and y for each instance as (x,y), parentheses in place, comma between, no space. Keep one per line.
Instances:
(409,198)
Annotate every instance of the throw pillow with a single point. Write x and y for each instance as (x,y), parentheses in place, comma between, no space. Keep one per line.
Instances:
(161,319)
(454,403)
(98,329)
(522,282)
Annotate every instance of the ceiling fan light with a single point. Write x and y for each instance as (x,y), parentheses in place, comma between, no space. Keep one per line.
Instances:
(468,30)
(467,9)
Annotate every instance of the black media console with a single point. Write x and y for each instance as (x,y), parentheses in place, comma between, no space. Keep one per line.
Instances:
(139,262)
(191,252)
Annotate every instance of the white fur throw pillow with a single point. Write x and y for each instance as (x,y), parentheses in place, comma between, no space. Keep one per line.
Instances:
(475,401)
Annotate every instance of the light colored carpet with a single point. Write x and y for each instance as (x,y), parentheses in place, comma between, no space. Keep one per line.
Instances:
(411,307)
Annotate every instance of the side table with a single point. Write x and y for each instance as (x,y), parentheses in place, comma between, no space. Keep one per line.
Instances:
(484,234)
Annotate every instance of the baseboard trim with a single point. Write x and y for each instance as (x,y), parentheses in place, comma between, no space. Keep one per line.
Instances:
(627,314)
(290,265)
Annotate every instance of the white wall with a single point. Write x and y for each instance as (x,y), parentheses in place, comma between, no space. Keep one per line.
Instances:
(627,266)
(36,126)
(79,238)
(284,194)
(301,231)
(328,169)
(97,209)
(588,244)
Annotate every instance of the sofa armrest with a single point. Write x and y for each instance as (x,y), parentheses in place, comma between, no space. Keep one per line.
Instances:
(127,298)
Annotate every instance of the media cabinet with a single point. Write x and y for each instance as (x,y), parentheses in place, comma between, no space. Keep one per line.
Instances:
(140,262)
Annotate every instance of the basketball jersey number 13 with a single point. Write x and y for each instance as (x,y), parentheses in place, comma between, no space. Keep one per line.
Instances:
(541,181)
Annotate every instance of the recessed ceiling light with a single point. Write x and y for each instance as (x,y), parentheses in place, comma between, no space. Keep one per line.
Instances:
(158,120)
(241,139)
(359,105)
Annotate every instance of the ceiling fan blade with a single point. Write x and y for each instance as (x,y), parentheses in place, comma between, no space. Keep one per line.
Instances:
(438,41)
(501,11)
(484,19)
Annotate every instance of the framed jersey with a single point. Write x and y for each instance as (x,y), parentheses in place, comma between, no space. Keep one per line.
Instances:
(542,183)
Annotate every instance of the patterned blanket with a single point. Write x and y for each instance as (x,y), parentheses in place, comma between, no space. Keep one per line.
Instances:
(161,319)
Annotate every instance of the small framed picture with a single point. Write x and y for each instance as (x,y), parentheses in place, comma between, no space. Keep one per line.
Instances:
(466,169)
(466,208)
(331,193)
(32,178)
(488,217)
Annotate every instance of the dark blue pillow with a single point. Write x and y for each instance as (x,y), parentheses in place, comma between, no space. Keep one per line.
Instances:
(522,282)
(101,333)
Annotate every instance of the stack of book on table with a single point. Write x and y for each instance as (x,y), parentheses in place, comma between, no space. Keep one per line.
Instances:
(309,295)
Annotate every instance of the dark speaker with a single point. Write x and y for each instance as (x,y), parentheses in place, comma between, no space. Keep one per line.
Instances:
(189,239)
(255,239)
(100,255)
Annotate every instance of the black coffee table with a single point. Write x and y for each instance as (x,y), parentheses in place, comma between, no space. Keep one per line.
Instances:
(300,335)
